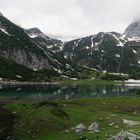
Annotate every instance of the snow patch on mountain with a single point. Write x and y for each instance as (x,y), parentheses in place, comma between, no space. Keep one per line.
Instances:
(92,44)
(87,47)
(138,61)
(4,31)
(136,39)
(49,47)
(117,55)
(33,35)
(134,51)
(78,42)
(120,43)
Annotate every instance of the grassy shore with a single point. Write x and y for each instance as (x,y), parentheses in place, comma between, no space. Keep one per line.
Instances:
(64,81)
(91,82)
(55,120)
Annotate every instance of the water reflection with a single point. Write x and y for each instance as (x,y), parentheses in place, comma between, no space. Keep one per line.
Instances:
(41,92)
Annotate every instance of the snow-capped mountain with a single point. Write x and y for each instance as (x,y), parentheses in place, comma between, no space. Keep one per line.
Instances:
(105,51)
(45,41)
(109,51)
(17,46)
(31,52)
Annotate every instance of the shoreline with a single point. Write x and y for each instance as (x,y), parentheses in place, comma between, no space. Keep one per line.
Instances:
(28,83)
(137,82)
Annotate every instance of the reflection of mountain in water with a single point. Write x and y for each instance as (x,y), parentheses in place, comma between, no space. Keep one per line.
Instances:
(41,92)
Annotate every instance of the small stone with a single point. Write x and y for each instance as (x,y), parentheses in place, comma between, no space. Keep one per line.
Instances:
(113,115)
(116,126)
(130,122)
(97,131)
(67,131)
(111,124)
(83,138)
(14,112)
(28,132)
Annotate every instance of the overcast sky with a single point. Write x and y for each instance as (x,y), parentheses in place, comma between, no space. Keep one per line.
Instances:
(72,17)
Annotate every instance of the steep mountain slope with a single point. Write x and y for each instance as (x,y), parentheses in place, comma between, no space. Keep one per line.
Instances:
(110,51)
(16,45)
(51,46)
(12,71)
(54,48)
(45,41)
(34,54)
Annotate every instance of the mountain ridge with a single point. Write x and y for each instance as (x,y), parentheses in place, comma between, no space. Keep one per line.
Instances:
(105,51)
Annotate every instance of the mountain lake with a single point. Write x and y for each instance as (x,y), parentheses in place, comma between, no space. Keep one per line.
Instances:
(65,92)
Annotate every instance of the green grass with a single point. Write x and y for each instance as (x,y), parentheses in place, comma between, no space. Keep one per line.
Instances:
(90,82)
(51,120)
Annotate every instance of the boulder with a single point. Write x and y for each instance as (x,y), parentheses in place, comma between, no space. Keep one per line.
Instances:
(130,122)
(80,128)
(123,135)
(94,126)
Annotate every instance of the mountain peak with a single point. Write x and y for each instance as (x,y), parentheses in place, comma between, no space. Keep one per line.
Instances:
(34,30)
(133,30)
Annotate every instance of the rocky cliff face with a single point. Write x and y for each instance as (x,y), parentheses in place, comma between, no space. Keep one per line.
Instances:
(16,45)
(30,60)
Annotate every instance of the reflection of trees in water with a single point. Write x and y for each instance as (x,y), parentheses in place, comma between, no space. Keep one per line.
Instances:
(43,92)
(68,92)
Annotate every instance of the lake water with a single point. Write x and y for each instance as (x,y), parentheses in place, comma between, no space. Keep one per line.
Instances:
(41,92)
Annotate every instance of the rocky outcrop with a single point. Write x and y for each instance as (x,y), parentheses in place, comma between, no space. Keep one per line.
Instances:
(80,128)
(29,59)
(124,135)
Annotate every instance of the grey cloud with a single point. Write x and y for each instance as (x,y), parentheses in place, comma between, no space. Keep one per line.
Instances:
(72,17)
